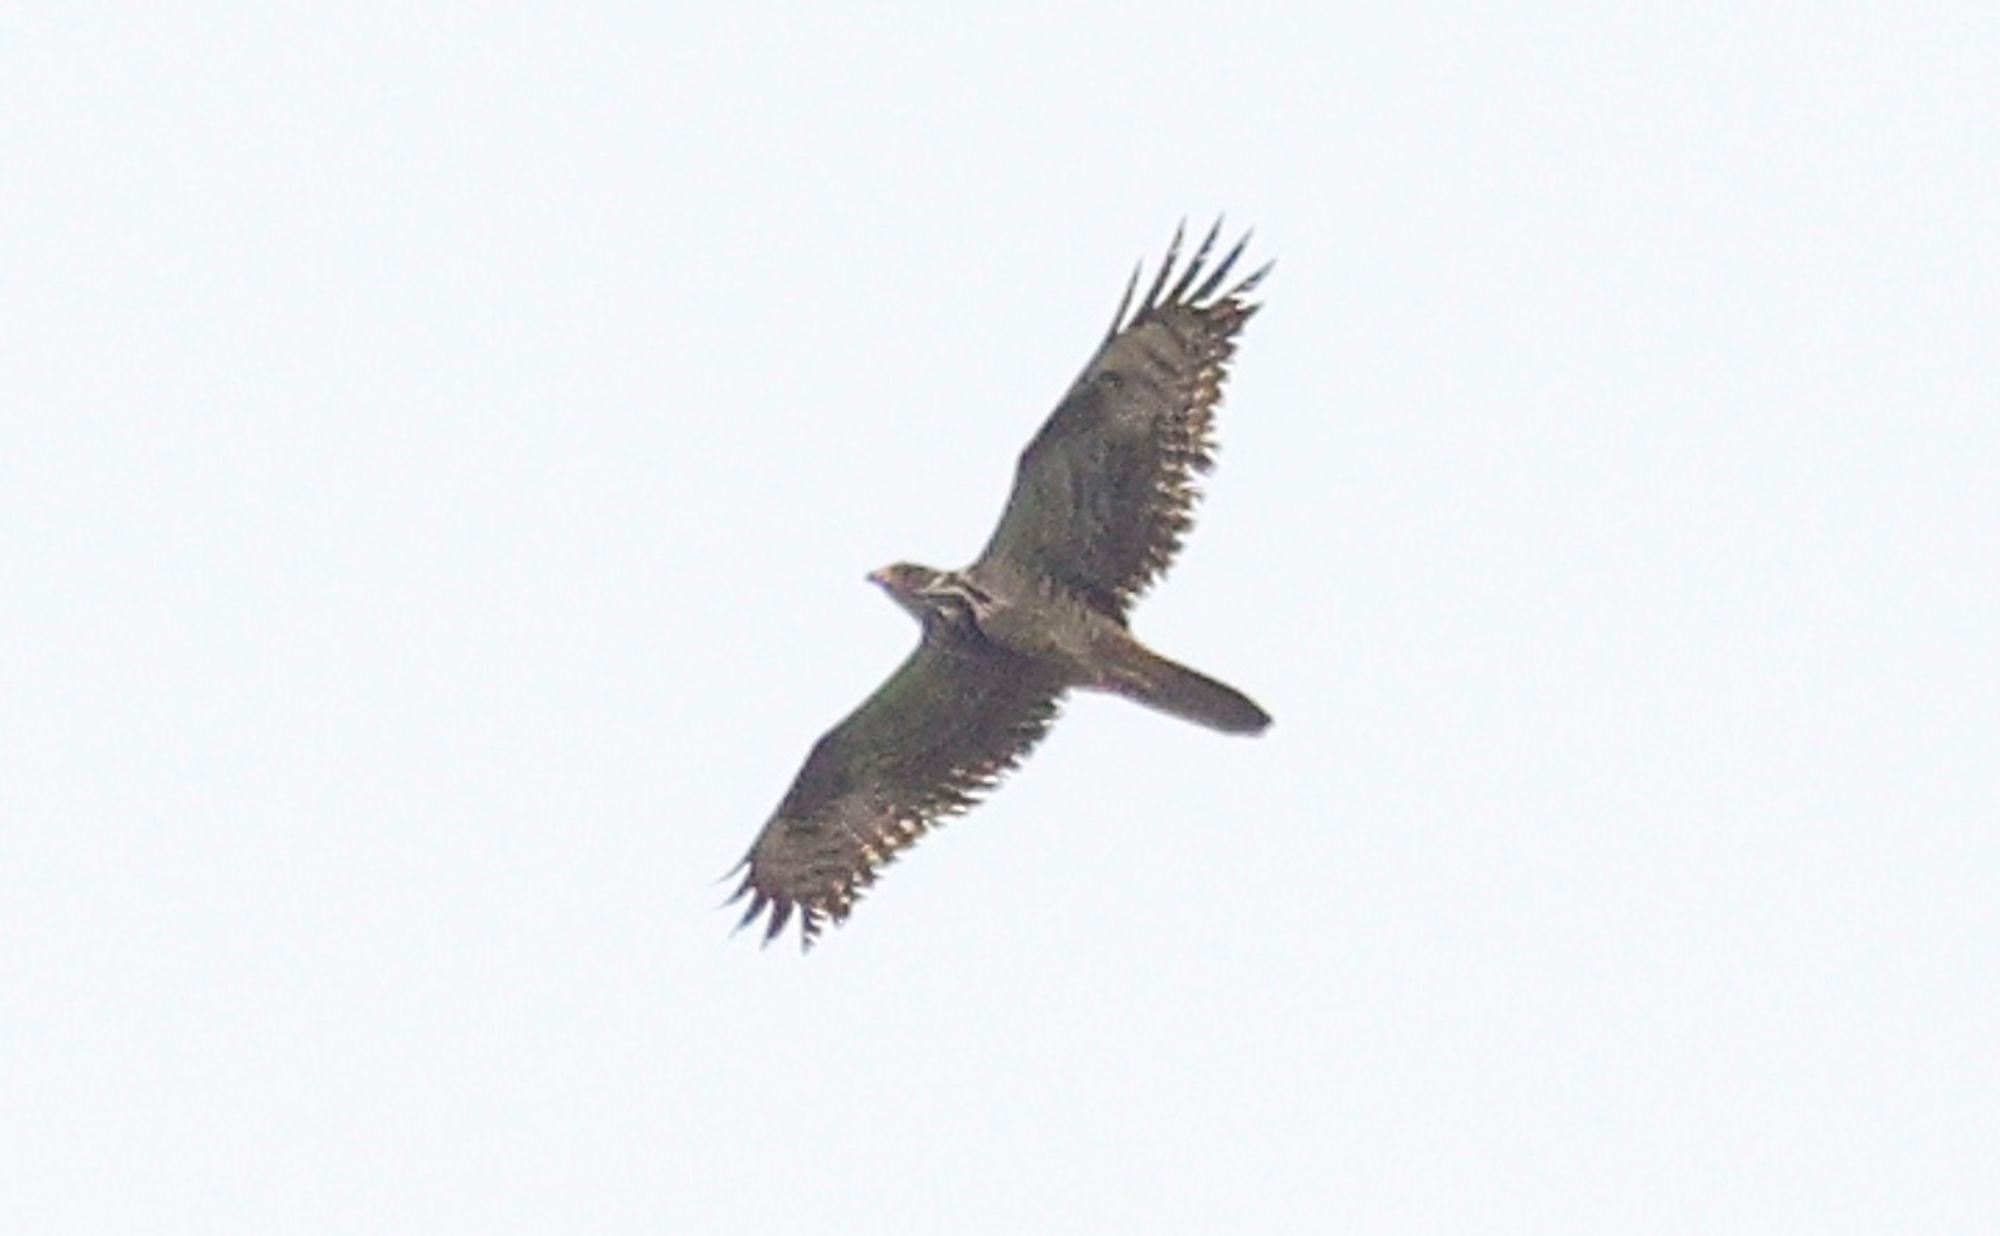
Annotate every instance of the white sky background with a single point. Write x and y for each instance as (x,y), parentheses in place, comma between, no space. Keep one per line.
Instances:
(443,448)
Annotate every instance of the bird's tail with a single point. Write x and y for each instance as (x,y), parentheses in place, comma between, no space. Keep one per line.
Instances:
(1139,673)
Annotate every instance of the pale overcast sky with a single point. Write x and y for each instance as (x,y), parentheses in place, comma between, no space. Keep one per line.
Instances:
(443,447)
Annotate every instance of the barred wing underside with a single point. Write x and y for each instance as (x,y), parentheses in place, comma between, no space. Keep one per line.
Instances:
(1105,492)
(954,717)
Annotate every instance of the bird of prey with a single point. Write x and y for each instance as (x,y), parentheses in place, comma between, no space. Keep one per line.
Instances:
(1102,497)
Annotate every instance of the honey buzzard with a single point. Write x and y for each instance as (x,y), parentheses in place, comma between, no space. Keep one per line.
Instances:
(1101,499)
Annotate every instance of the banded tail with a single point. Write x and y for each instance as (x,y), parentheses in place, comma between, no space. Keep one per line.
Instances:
(1141,674)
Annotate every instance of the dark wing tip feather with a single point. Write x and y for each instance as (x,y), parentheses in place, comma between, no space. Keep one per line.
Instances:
(1166,269)
(1201,255)
(1124,303)
(1249,282)
(1174,284)
(1221,271)
(780,908)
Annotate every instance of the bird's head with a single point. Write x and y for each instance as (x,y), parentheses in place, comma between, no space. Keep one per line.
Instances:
(927,593)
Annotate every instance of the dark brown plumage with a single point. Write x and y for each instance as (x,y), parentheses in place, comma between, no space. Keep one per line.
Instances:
(1101,499)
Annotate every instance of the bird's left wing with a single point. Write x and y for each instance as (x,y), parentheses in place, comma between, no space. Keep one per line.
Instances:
(955,716)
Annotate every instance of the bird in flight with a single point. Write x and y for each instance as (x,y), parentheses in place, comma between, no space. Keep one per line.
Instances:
(1102,497)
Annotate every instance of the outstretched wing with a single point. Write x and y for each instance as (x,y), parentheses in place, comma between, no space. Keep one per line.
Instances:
(955,715)
(1106,490)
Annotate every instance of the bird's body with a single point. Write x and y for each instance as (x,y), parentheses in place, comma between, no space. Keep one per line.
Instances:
(1083,647)
(1101,499)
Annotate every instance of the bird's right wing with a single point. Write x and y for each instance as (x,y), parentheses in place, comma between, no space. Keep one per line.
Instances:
(1106,490)
(943,728)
